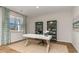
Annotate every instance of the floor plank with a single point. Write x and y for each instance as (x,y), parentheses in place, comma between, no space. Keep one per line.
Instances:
(71,49)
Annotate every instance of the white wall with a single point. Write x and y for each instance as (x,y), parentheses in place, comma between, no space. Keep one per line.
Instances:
(16,36)
(75,36)
(64,24)
(75,41)
(0,24)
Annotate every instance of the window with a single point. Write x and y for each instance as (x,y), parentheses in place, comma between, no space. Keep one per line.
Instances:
(19,24)
(12,23)
(16,23)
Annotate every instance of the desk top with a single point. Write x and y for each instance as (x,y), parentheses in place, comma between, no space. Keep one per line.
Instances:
(38,36)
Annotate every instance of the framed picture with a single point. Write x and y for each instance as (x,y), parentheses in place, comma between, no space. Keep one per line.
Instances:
(76,22)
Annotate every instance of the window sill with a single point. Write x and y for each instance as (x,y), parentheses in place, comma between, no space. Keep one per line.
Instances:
(15,31)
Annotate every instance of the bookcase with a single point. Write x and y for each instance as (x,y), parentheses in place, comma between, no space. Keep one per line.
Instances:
(52,28)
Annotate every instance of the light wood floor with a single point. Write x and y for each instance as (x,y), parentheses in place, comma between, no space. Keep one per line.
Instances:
(6,49)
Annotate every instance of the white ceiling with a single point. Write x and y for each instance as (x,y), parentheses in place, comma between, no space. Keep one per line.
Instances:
(33,11)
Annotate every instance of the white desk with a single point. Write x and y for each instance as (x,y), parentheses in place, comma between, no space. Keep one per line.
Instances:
(41,37)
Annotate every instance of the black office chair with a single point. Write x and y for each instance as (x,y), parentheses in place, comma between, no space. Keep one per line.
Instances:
(43,41)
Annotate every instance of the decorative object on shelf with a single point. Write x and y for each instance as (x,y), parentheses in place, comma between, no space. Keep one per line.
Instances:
(38,27)
(52,28)
(76,22)
(46,33)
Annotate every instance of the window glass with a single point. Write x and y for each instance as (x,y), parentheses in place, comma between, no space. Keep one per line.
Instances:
(12,23)
(16,23)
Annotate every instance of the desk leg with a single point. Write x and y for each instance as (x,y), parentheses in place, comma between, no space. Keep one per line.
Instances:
(48,46)
(27,42)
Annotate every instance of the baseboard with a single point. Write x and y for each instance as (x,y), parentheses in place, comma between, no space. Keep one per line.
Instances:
(17,41)
(64,41)
(76,47)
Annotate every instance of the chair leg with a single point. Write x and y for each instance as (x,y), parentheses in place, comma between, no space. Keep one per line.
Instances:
(42,42)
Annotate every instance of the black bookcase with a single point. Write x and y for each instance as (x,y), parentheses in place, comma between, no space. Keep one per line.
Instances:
(52,28)
(38,27)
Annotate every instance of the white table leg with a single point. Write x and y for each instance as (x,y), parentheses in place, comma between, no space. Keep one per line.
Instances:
(27,42)
(48,46)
